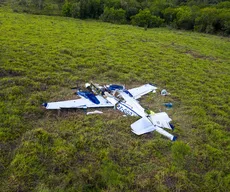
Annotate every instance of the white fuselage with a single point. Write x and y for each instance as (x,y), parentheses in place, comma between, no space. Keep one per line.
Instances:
(131,106)
(127,104)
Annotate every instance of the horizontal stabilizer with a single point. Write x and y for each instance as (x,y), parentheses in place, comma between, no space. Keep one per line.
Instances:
(161,120)
(142,126)
(141,123)
(144,130)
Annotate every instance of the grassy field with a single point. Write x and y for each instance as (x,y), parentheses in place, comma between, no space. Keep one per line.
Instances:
(41,57)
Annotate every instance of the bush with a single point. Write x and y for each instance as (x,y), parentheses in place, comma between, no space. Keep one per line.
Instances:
(90,8)
(145,19)
(225,4)
(220,21)
(184,18)
(66,9)
(207,20)
(158,6)
(131,11)
(169,14)
(114,15)
(224,21)
(75,10)
(112,3)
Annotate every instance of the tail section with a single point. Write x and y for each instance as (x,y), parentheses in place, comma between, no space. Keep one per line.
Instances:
(144,125)
(162,120)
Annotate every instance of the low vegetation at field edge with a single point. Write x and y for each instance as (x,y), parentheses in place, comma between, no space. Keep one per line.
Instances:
(207,16)
(42,57)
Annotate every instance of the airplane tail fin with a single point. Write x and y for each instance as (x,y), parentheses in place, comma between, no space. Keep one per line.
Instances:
(143,125)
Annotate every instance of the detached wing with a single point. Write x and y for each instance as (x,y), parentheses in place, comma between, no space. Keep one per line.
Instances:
(78,103)
(142,90)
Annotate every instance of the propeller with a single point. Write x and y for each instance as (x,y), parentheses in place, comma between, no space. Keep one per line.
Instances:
(74,88)
(77,87)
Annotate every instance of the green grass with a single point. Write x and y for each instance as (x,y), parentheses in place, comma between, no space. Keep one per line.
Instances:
(41,57)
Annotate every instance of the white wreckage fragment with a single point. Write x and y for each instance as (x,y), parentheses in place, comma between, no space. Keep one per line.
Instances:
(94,112)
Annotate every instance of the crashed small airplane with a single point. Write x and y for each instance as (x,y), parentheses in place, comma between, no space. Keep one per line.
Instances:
(123,100)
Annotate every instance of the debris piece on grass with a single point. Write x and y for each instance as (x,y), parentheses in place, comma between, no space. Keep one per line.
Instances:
(94,112)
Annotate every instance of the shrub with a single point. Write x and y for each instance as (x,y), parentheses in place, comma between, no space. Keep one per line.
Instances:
(225,4)
(131,11)
(169,14)
(224,21)
(114,15)
(184,18)
(75,10)
(158,5)
(145,19)
(207,20)
(66,9)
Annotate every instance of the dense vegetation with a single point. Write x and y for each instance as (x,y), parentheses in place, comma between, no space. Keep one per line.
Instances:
(41,57)
(209,16)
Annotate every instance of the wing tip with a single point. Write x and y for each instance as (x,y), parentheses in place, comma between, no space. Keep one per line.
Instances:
(137,133)
(174,138)
(154,85)
(44,104)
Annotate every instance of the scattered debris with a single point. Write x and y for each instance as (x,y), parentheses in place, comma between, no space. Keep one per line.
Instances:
(164,92)
(94,112)
(168,105)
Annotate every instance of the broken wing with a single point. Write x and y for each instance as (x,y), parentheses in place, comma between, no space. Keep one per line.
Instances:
(78,103)
(142,90)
